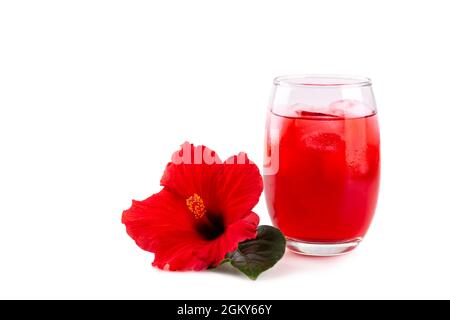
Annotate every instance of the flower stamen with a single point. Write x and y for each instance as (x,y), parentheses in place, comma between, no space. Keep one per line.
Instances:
(196,205)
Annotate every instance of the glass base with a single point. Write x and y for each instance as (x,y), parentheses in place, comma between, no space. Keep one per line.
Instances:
(321,249)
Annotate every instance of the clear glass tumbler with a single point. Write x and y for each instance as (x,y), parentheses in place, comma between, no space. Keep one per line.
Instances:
(322,161)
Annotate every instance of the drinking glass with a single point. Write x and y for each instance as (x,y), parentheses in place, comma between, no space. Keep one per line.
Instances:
(322,161)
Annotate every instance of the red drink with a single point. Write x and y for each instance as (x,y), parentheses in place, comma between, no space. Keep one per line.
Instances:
(326,186)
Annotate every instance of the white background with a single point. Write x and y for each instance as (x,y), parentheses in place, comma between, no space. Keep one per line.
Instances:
(96,95)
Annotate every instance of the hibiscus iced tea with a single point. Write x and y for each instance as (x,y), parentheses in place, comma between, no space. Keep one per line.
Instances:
(324,188)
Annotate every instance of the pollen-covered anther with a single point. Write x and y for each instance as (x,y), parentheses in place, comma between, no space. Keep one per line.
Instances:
(196,205)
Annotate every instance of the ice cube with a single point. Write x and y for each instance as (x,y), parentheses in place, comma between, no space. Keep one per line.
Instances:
(324,141)
(305,110)
(309,114)
(349,108)
(299,107)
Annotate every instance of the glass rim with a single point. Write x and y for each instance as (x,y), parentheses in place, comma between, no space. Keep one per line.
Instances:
(321,81)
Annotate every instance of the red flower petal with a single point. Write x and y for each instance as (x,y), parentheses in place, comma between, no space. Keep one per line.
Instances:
(194,170)
(163,225)
(240,187)
(241,230)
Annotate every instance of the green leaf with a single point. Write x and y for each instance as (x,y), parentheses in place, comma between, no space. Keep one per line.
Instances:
(252,257)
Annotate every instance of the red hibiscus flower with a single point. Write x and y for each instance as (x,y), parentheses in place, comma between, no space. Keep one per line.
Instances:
(202,213)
